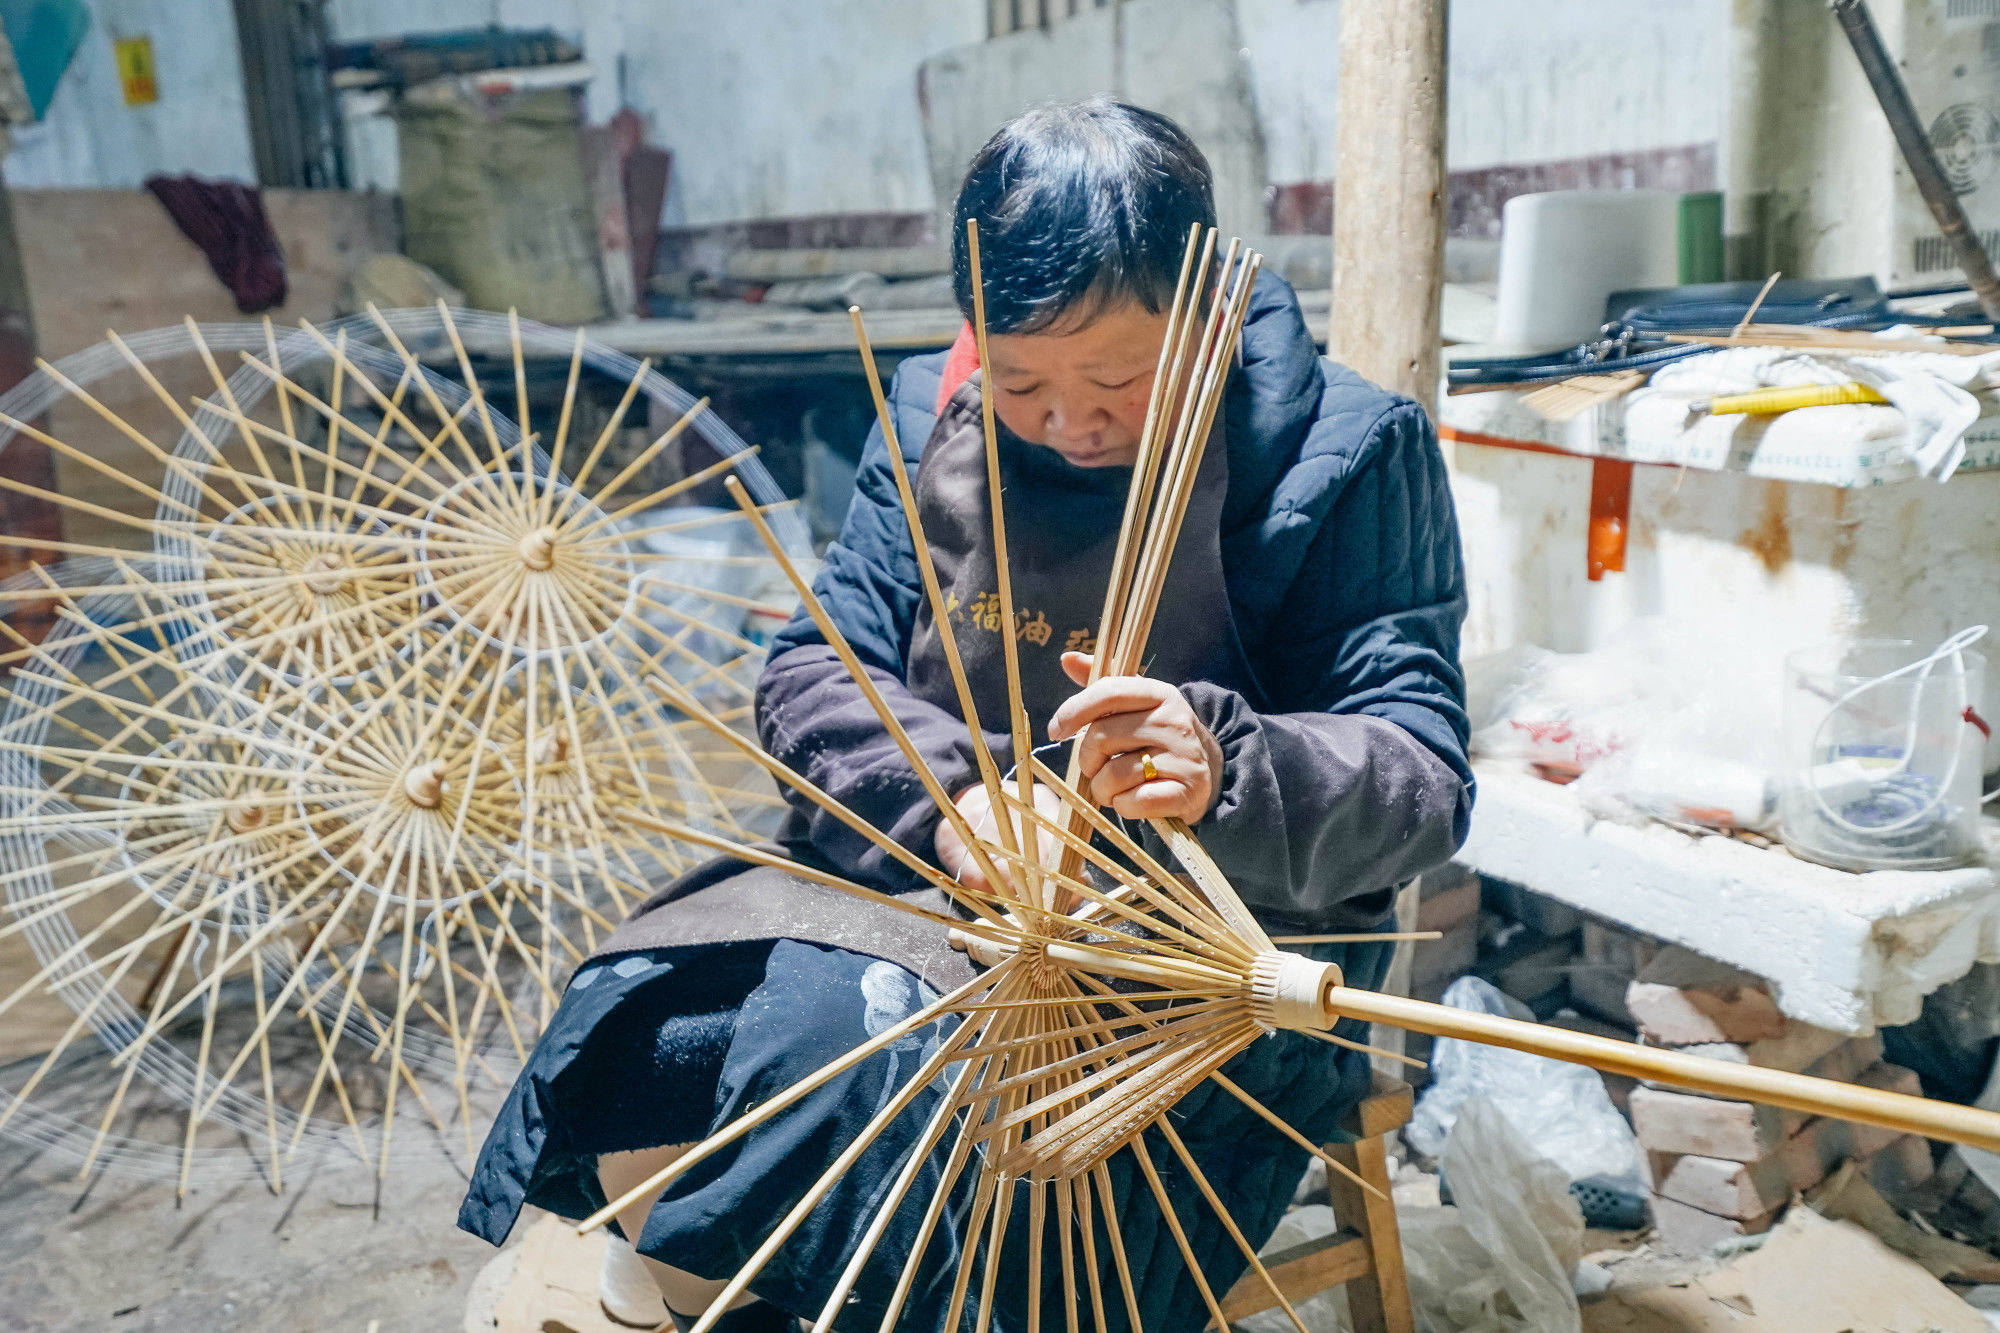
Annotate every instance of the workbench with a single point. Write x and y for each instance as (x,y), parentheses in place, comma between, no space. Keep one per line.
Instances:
(1850,952)
(751,337)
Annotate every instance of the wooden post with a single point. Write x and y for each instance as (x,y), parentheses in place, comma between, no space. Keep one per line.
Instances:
(1388,214)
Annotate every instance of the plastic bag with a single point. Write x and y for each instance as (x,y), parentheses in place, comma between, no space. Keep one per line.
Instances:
(1323,1312)
(1499,1261)
(1560,712)
(1663,721)
(1496,1262)
(1561,1109)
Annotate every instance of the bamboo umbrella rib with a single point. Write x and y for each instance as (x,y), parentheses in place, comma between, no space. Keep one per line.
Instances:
(391,408)
(187,424)
(545,508)
(849,1155)
(1228,1220)
(919,1155)
(500,466)
(1344,1043)
(1156,874)
(1071,1028)
(229,397)
(668,492)
(284,402)
(753,856)
(1010,653)
(989,772)
(643,457)
(429,392)
(1186,946)
(791,1096)
(629,683)
(1000,1192)
(954,1168)
(1080,1191)
(1230,1086)
(604,438)
(838,642)
(1163,396)
(83,1015)
(1213,941)
(1114,1061)
(1137,1146)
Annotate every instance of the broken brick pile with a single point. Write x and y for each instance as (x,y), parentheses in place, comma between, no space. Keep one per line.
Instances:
(1726,1168)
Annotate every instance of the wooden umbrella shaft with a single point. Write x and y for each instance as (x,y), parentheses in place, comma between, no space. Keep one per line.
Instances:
(1720,1078)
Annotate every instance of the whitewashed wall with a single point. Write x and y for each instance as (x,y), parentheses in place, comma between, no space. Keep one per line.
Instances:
(360,20)
(89,137)
(1579,78)
(1192,69)
(781,110)
(1528,83)
(811,112)
(770,110)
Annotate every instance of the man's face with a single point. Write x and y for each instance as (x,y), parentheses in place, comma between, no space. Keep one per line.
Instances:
(1081,390)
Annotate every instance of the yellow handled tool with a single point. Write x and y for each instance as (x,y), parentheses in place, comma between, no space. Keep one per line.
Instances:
(1770,402)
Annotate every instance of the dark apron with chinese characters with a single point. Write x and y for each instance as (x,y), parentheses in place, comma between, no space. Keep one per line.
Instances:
(1062,531)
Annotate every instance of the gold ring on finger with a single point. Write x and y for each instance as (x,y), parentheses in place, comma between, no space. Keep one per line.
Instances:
(1151,773)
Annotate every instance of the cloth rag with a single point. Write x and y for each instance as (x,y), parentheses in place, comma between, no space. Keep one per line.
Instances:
(227,220)
(1931,404)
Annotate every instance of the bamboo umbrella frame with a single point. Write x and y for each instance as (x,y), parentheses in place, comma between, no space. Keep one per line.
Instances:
(319,788)
(1116,984)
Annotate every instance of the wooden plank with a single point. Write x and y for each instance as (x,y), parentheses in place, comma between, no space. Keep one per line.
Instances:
(1313,1266)
(1301,1270)
(779,333)
(112,259)
(1378,1300)
(99,259)
(1383,1111)
(802,333)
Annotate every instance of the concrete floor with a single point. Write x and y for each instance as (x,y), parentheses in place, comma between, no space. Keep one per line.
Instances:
(120,1256)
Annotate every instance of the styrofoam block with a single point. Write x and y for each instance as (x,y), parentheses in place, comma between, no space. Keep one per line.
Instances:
(1843,951)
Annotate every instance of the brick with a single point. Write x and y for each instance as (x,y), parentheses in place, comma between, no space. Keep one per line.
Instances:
(1611,958)
(1807,1050)
(1682,1230)
(1682,999)
(1683,1122)
(1900,1167)
(1538,912)
(1618,1086)
(1530,971)
(1730,1157)
(1449,908)
(1615,947)
(1867,1140)
(1435,964)
(1751,1189)
(1451,875)
(1848,1061)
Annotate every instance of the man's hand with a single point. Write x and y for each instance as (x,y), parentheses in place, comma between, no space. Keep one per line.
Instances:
(1125,720)
(977,809)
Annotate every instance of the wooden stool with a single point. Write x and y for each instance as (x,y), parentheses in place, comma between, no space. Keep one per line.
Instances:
(1366,1253)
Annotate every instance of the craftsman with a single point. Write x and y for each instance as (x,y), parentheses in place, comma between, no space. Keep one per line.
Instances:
(1303,710)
